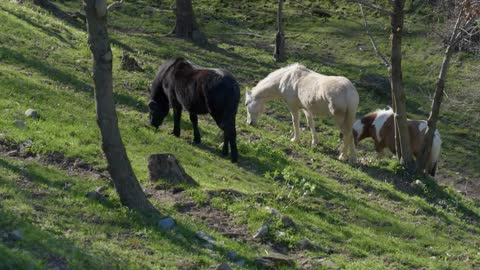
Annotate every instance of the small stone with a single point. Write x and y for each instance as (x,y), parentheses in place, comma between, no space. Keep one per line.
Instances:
(32,113)
(167,223)
(101,189)
(67,185)
(205,237)
(280,234)
(12,153)
(261,232)
(20,124)
(94,195)
(240,263)
(25,146)
(274,261)
(232,255)
(15,235)
(418,183)
(328,264)
(289,223)
(272,211)
(223,266)
(305,244)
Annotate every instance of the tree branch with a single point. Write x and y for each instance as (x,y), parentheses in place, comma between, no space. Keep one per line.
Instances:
(374,44)
(115,5)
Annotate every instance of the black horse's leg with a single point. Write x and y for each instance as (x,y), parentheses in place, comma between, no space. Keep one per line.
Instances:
(232,137)
(177,115)
(196,132)
(225,143)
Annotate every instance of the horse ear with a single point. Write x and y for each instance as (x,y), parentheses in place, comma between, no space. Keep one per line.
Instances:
(152,105)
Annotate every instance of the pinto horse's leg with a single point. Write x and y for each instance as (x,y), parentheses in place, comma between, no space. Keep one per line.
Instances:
(177,115)
(311,124)
(196,132)
(296,125)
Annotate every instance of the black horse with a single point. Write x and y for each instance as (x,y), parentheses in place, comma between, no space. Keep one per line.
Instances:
(182,85)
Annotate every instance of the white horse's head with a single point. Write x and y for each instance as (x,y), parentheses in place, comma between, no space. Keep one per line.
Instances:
(255,107)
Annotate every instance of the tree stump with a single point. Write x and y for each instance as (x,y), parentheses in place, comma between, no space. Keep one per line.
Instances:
(166,167)
(129,63)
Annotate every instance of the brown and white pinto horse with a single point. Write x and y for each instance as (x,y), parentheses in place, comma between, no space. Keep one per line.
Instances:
(379,126)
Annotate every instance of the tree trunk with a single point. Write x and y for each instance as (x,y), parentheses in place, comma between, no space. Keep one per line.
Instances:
(279,51)
(185,24)
(398,94)
(126,184)
(422,161)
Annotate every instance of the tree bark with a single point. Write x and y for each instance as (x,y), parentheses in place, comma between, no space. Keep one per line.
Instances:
(279,51)
(398,94)
(185,24)
(126,184)
(422,161)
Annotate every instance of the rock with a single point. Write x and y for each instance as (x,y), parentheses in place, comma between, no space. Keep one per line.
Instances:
(280,234)
(25,146)
(167,223)
(167,168)
(419,184)
(305,244)
(223,266)
(272,211)
(101,189)
(232,255)
(274,260)
(32,113)
(289,223)
(20,124)
(261,232)
(328,264)
(12,153)
(15,235)
(205,237)
(240,263)
(67,185)
(94,195)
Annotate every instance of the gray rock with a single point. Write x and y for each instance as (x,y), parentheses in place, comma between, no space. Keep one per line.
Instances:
(167,223)
(205,237)
(32,113)
(274,260)
(101,189)
(232,255)
(12,153)
(306,244)
(20,124)
(261,232)
(328,264)
(25,146)
(223,266)
(240,263)
(418,184)
(94,195)
(289,223)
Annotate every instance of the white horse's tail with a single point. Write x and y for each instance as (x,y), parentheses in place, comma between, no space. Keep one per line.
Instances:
(435,153)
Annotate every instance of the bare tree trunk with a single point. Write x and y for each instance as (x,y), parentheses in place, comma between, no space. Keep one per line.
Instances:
(422,161)
(126,184)
(398,94)
(279,51)
(185,25)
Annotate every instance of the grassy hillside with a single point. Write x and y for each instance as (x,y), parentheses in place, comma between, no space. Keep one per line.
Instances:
(362,216)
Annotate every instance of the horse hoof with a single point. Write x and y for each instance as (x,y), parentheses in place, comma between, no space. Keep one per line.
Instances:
(293,139)
(314,144)
(342,157)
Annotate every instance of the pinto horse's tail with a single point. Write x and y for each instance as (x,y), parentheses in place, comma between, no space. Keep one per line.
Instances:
(435,153)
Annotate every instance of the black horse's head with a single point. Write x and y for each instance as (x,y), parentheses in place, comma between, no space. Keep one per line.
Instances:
(158,112)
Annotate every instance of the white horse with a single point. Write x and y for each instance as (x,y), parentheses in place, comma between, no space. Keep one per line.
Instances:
(315,94)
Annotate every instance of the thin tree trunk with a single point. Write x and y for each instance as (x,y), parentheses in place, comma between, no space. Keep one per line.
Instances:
(422,161)
(185,20)
(279,51)
(398,94)
(126,184)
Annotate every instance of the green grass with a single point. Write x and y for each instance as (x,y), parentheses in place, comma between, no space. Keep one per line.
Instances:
(361,216)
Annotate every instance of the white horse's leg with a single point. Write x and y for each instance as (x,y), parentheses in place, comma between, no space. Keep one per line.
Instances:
(296,125)
(311,125)
(339,118)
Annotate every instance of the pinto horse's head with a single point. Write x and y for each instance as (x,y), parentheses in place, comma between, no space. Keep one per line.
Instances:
(157,113)
(255,107)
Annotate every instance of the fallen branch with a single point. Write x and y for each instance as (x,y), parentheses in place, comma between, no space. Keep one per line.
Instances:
(372,40)
(373,6)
